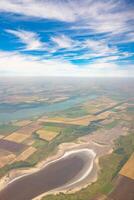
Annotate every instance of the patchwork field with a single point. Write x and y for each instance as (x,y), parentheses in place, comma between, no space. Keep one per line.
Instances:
(84,121)
(128,168)
(22,123)
(25,154)
(6,129)
(29,129)
(99,104)
(98,131)
(47,135)
(17,137)
(124,189)
(6,159)
(11,146)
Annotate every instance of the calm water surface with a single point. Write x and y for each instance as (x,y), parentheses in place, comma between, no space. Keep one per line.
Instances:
(52,176)
(42,109)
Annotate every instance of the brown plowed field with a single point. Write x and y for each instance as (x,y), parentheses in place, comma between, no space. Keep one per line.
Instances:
(11,146)
(124,189)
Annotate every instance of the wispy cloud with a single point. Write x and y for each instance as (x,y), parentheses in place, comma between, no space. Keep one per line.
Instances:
(100,47)
(74,31)
(25,65)
(48,9)
(30,39)
(62,41)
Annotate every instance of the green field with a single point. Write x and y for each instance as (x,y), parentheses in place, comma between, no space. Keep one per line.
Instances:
(44,149)
(112,124)
(77,111)
(52,128)
(6,129)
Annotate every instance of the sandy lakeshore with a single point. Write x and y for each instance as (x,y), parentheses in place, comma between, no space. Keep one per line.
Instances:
(91,142)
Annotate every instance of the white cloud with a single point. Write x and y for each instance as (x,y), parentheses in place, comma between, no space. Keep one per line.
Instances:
(98,16)
(62,41)
(48,9)
(112,17)
(100,47)
(17,64)
(30,39)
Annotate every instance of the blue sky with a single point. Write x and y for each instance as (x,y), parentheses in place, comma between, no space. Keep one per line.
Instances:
(67,38)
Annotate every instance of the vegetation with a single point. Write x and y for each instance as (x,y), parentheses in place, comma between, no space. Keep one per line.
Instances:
(45,149)
(112,124)
(6,129)
(110,166)
(52,128)
(74,112)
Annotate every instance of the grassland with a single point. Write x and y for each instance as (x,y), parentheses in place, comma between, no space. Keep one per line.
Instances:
(112,124)
(74,112)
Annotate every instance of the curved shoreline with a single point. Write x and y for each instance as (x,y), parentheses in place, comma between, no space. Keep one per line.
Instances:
(84,156)
(66,154)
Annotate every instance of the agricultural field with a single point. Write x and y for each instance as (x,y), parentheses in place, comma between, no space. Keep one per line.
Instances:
(58,129)
(11,146)
(46,134)
(6,157)
(26,154)
(22,123)
(6,129)
(31,141)
(17,137)
(128,169)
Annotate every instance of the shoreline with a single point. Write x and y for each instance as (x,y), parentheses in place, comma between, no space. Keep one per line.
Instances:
(63,150)
(82,142)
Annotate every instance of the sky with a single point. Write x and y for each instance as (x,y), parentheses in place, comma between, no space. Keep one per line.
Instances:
(90,38)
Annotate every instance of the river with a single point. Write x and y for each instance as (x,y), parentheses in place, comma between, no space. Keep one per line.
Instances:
(40,109)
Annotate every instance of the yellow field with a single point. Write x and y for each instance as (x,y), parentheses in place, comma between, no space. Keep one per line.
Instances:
(25,154)
(77,121)
(103,115)
(17,137)
(6,159)
(128,168)
(1,136)
(47,135)
(22,123)
(84,120)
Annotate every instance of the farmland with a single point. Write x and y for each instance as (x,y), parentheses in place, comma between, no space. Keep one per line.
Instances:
(17,137)
(25,154)
(11,146)
(6,129)
(128,169)
(46,135)
(102,122)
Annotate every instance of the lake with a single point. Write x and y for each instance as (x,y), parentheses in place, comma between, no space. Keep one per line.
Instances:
(72,168)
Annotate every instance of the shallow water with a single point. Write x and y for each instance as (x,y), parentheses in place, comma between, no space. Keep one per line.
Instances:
(62,172)
(39,109)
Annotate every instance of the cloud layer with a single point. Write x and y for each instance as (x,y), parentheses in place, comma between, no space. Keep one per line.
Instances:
(58,37)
